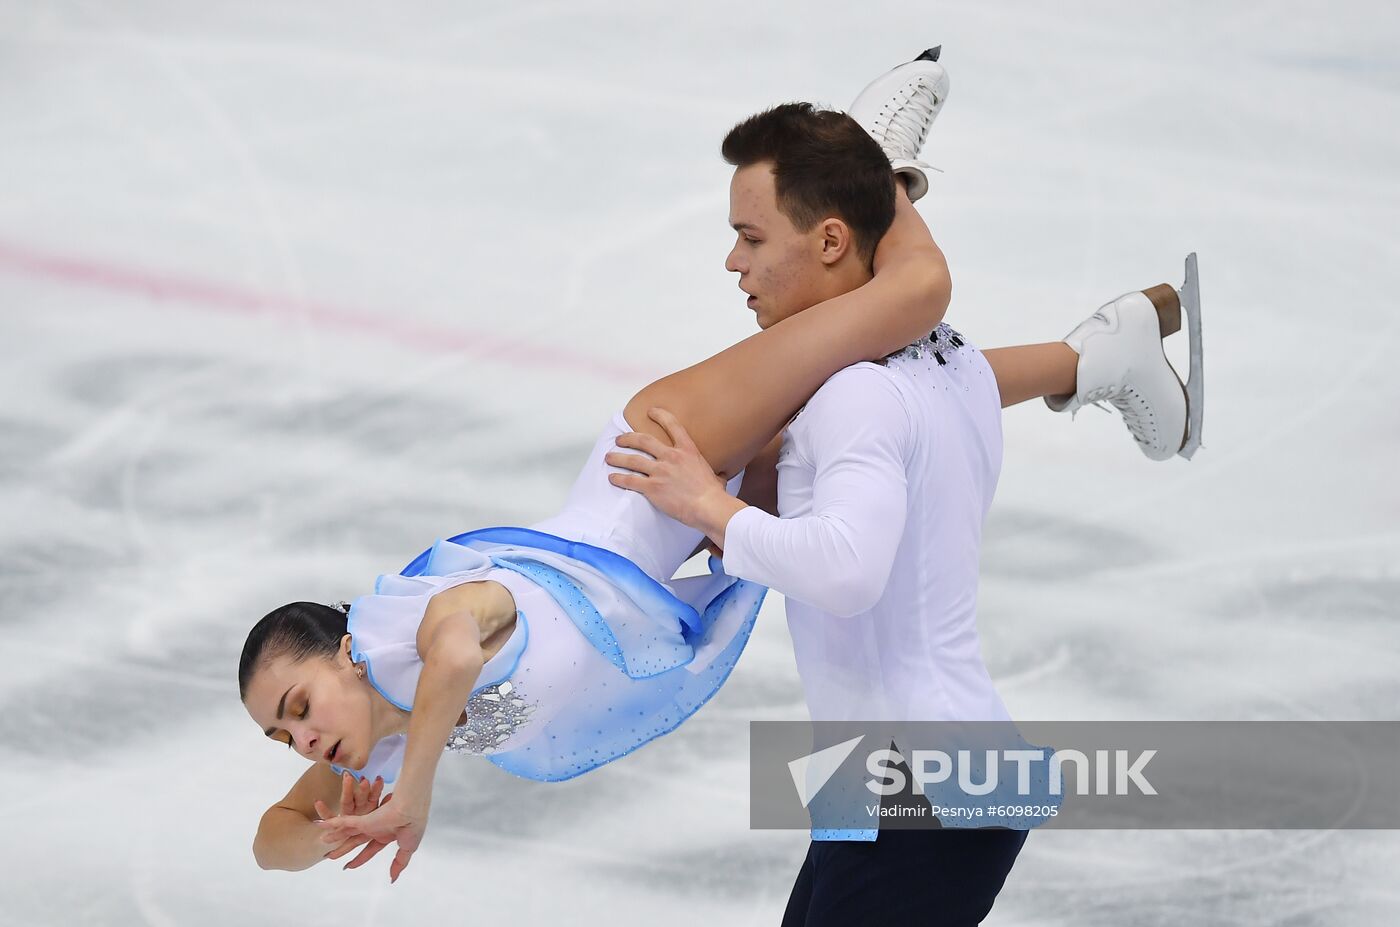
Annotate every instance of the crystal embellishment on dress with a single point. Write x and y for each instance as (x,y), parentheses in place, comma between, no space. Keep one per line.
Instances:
(493,715)
(938,344)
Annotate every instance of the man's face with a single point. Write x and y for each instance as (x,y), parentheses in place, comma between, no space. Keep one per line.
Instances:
(779,267)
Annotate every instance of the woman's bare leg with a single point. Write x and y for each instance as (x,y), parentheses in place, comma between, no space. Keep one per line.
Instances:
(733,404)
(1029,371)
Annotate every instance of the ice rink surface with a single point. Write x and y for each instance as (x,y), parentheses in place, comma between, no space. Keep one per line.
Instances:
(288,291)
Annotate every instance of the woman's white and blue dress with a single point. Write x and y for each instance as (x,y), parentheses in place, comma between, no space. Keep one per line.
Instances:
(608,652)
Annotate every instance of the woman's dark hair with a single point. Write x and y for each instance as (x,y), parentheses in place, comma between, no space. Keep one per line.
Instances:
(299,630)
(824,164)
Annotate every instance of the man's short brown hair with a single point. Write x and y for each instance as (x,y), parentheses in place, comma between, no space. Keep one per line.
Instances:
(824,164)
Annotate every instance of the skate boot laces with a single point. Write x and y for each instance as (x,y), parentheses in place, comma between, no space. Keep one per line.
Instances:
(1136,411)
(904,121)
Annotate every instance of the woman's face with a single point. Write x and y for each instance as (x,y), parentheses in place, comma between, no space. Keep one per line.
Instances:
(318,706)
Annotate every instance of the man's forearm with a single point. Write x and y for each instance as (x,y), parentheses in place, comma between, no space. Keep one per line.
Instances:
(825,562)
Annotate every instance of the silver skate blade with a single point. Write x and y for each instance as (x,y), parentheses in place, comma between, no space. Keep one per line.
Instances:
(1190,294)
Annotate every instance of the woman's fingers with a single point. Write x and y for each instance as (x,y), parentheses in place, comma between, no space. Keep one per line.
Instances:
(357,796)
(346,846)
(338,828)
(377,823)
(399,864)
(366,854)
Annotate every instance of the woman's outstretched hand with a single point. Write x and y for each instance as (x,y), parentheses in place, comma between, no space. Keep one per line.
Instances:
(356,798)
(404,822)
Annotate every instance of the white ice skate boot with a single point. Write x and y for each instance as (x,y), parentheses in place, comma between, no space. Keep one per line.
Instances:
(1121,362)
(898,108)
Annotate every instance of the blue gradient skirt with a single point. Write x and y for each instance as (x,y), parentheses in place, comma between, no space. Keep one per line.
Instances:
(668,647)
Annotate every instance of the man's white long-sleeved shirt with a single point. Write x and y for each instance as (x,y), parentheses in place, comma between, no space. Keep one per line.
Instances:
(884,481)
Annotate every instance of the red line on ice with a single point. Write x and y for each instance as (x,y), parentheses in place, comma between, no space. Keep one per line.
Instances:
(81,271)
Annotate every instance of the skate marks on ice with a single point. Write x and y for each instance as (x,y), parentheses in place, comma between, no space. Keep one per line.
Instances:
(1041,545)
(320,159)
(1167,878)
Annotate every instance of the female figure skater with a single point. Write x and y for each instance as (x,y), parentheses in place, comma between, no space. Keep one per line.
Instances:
(557,648)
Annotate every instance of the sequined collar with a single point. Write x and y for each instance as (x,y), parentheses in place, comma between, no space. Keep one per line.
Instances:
(938,343)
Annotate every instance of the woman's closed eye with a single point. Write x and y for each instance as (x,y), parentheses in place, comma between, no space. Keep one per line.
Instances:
(291,744)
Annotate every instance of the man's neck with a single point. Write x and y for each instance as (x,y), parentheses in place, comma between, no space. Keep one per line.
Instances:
(848,276)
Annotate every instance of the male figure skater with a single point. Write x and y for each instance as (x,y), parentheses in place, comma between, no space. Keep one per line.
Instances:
(883,481)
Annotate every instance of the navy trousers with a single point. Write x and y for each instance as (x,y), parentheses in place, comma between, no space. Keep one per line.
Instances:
(939,878)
